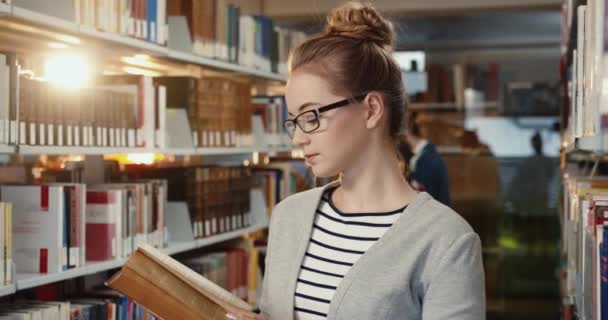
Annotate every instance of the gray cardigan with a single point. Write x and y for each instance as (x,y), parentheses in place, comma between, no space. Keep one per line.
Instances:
(426,266)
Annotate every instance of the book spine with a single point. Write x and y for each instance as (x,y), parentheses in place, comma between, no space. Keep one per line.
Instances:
(8,243)
(101,225)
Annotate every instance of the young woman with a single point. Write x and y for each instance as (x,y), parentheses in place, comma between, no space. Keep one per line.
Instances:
(366,246)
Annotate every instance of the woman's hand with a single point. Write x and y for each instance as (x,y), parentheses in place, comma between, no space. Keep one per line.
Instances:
(246,316)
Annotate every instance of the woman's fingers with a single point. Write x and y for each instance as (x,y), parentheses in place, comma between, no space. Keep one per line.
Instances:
(233,316)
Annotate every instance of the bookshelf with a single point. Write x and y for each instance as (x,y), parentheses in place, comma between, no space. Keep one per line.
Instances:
(223,65)
(42,19)
(28,281)
(38,30)
(5,9)
(7,290)
(583,218)
(32,18)
(6,149)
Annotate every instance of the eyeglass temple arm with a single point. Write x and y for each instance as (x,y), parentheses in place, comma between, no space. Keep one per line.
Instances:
(341,103)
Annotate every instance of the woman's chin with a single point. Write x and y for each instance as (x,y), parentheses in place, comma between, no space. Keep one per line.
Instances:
(323,172)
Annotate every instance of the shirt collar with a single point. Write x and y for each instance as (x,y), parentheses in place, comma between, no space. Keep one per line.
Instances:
(420,146)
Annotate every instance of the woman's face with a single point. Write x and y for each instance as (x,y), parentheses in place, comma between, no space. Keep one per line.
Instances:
(342,133)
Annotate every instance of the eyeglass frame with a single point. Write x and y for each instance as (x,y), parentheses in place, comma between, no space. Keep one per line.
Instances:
(317,112)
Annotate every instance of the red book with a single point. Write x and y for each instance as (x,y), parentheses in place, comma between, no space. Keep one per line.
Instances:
(101,216)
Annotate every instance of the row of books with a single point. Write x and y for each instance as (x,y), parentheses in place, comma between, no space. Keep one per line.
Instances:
(48,116)
(142,19)
(131,111)
(102,306)
(229,30)
(218,197)
(217,109)
(60,226)
(279,179)
(273,112)
(585,229)
(119,111)
(585,76)
(234,269)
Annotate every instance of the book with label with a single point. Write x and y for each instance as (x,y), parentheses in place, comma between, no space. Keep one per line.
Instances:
(38,227)
(103,218)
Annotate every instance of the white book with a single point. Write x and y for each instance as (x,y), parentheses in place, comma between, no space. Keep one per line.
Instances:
(38,223)
(8,243)
(580,70)
(2,244)
(162,117)
(588,69)
(148,128)
(4,100)
(161,21)
(574,117)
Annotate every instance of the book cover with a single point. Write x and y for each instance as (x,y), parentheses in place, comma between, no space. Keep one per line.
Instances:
(37,227)
(171,290)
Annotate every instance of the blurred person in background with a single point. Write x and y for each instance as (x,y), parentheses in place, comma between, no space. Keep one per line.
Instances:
(426,168)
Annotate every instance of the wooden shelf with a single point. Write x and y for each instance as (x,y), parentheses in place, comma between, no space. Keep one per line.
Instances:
(28,281)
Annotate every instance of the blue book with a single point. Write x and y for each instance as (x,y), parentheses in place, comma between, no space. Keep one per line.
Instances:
(258,35)
(124,308)
(151,12)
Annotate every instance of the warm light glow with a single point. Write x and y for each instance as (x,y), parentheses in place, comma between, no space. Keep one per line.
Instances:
(142,56)
(138,71)
(57,45)
(141,158)
(138,61)
(136,158)
(69,71)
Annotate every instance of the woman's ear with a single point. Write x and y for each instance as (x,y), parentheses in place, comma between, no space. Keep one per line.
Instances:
(375,109)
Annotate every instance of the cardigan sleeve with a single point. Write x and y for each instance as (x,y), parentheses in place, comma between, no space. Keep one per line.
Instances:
(457,288)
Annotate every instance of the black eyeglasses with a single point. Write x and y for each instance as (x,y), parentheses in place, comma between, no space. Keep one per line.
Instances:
(309,121)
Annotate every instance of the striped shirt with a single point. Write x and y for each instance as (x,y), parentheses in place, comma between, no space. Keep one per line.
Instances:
(337,241)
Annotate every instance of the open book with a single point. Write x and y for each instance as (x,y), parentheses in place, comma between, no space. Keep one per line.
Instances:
(171,290)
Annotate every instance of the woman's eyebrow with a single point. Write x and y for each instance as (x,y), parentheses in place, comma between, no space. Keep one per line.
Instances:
(307,104)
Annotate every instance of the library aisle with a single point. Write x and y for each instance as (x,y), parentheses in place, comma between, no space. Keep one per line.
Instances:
(140,136)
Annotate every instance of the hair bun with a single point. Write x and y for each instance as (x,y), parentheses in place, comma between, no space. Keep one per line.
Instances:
(360,21)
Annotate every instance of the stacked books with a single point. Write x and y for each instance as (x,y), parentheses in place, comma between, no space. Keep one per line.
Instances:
(218,197)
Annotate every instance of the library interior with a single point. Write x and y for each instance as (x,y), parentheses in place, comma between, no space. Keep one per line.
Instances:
(155,140)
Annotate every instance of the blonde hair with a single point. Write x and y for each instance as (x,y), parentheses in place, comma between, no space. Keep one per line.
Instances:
(355,55)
